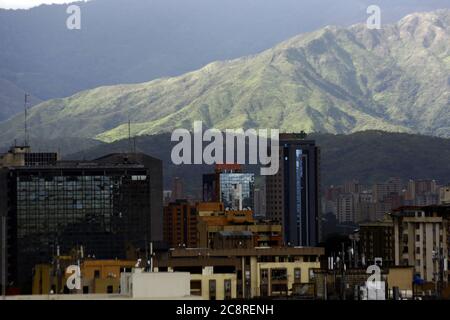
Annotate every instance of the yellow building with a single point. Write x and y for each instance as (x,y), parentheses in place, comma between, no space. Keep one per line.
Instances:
(402,278)
(211,286)
(280,278)
(97,276)
(252,272)
(214,219)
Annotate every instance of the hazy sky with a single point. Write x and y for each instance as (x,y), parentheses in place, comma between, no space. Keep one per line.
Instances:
(25,4)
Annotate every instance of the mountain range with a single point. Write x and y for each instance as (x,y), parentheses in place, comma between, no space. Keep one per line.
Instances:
(132,41)
(335,80)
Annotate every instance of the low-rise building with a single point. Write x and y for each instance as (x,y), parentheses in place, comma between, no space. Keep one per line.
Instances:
(97,276)
(252,272)
(138,284)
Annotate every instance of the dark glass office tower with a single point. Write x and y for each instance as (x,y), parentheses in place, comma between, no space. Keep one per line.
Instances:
(293,193)
(110,206)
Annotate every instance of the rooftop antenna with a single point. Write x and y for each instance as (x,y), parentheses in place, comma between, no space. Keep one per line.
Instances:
(129,134)
(131,140)
(26,118)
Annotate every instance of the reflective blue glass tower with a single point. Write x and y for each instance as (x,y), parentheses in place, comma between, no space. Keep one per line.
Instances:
(293,193)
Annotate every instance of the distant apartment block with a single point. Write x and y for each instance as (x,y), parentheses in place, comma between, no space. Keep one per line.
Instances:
(422,240)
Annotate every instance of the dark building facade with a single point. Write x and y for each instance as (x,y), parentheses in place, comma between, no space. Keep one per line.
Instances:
(377,241)
(108,206)
(293,193)
(180,224)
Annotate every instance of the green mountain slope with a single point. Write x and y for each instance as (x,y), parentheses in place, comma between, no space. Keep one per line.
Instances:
(336,80)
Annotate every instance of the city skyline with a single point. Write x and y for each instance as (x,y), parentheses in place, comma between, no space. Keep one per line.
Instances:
(229,157)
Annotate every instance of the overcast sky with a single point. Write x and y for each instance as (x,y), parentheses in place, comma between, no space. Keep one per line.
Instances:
(25,4)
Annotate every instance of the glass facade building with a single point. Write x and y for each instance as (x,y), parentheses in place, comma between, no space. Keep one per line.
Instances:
(108,208)
(293,193)
(230,186)
(236,190)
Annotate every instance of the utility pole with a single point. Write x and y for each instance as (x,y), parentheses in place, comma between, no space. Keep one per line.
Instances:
(129,134)
(441,271)
(343,284)
(26,119)
(151,256)
(438,257)
(4,257)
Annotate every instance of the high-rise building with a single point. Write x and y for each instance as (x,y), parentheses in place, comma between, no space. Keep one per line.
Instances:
(230,186)
(352,186)
(260,198)
(180,224)
(382,190)
(422,240)
(109,206)
(293,193)
(376,241)
(346,208)
(260,202)
(422,192)
(177,189)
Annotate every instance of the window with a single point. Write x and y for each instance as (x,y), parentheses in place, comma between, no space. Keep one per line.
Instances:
(279,274)
(227,289)
(264,276)
(96,274)
(297,275)
(212,289)
(109,289)
(311,275)
(196,287)
(85,289)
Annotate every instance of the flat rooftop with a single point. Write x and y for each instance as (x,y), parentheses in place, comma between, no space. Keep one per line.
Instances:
(261,251)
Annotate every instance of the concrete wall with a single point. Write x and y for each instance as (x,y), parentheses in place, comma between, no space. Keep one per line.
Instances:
(401,277)
(3,212)
(155,285)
